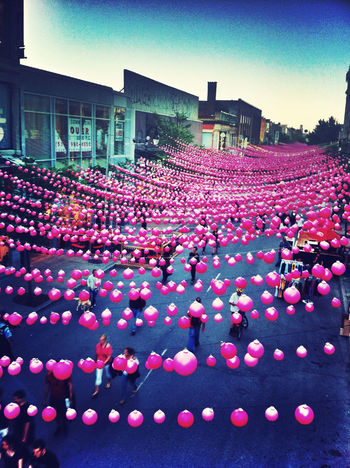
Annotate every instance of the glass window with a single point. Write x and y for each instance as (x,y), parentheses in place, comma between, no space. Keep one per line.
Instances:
(74,108)
(86,110)
(102,112)
(61,106)
(119,123)
(101,137)
(33,102)
(37,135)
(61,138)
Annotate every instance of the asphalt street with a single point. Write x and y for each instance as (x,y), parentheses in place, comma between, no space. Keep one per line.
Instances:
(318,380)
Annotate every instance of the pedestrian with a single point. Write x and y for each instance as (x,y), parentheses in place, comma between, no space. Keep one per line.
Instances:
(5,340)
(22,428)
(233,306)
(93,284)
(136,305)
(216,238)
(58,392)
(284,244)
(194,330)
(13,454)
(164,263)
(129,353)
(103,353)
(193,259)
(42,457)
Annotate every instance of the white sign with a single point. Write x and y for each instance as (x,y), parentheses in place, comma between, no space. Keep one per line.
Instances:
(86,136)
(74,134)
(60,148)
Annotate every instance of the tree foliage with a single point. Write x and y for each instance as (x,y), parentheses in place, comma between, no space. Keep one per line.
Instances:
(175,128)
(326,131)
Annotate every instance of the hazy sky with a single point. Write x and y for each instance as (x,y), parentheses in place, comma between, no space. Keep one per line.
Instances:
(288,58)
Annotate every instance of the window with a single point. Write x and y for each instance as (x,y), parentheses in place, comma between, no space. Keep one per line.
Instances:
(37,136)
(61,106)
(74,108)
(33,102)
(119,128)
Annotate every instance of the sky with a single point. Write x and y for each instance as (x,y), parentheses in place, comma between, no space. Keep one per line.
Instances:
(288,58)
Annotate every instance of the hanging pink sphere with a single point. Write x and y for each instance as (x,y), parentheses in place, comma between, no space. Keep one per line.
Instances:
(150,313)
(255,349)
(76,274)
(273,279)
(228,350)
(116,296)
(291,295)
(185,362)
(180,289)
(145,293)
(167,320)
(15,319)
(336,302)
(245,303)
(271,313)
(84,295)
(269,257)
(198,286)
(120,285)
(250,361)
(131,366)
(266,297)
(168,365)
(211,360)
(271,414)
(159,417)
(184,322)
(185,419)
(301,352)
(154,360)
(69,294)
(338,268)
(88,365)
(323,288)
(196,309)
(106,314)
(290,310)
(14,368)
(89,417)
(48,414)
(35,366)
(204,318)
(218,287)
(119,362)
(217,304)
(309,307)
(304,414)
(217,318)
(5,361)
(32,318)
(11,411)
(54,294)
(233,363)
(127,314)
(208,414)
(8,290)
(278,355)
(21,291)
(135,418)
(50,364)
(317,271)
(239,417)
(254,314)
(329,348)
(62,370)
(71,414)
(114,416)
(32,410)
(122,324)
(240,282)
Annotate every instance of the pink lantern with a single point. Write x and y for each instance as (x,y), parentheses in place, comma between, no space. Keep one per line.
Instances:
(273,279)
(168,365)
(329,348)
(122,324)
(114,416)
(291,295)
(211,360)
(196,309)
(301,351)
(119,362)
(266,297)
(184,322)
(50,364)
(338,268)
(5,361)
(304,414)
(69,294)
(240,282)
(54,294)
(62,370)
(71,414)
(135,418)
(239,417)
(185,362)
(254,314)
(208,414)
(255,349)
(116,296)
(245,303)
(278,355)
(217,304)
(159,417)
(228,350)
(271,414)
(32,410)
(309,307)
(233,363)
(171,309)
(127,314)
(250,361)
(88,365)
(35,366)
(15,319)
(14,368)
(84,295)
(217,318)
(89,417)
(154,360)
(336,302)
(185,419)
(271,313)
(48,414)
(290,310)
(323,288)
(150,313)
(11,410)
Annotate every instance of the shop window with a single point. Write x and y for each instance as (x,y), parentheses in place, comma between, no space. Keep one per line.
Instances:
(74,108)
(119,128)
(61,106)
(101,137)
(37,136)
(102,112)
(86,110)
(33,102)
(61,139)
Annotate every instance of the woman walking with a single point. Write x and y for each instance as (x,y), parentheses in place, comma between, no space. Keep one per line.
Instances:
(103,353)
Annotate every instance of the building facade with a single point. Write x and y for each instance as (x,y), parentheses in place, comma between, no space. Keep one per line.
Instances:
(345,133)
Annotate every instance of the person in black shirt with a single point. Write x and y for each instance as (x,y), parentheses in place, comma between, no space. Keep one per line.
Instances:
(193,259)
(196,324)
(12,453)
(22,427)
(136,306)
(42,458)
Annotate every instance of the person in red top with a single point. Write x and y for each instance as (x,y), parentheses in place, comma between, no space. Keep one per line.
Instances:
(103,353)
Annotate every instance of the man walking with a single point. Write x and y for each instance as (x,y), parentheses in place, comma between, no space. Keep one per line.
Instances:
(193,259)
(136,305)
(93,284)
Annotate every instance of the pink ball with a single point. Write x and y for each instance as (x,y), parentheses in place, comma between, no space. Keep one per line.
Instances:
(323,288)
(184,322)
(114,416)
(240,282)
(233,363)
(271,313)
(54,294)
(228,350)
(185,362)
(171,309)
(159,417)
(278,355)
(329,348)
(239,417)
(338,268)
(154,360)
(89,417)
(266,297)
(168,365)
(255,349)
(254,314)
(290,310)
(301,352)
(304,414)
(211,361)
(309,307)
(119,362)
(35,366)
(14,368)
(71,414)
(62,370)
(122,324)
(116,296)
(250,361)
(271,414)
(185,419)
(48,414)
(208,414)
(11,411)
(135,418)
(336,302)
(217,304)
(291,295)
(245,303)
(32,410)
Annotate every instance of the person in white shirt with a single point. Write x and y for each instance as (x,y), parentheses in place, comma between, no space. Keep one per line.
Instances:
(93,284)
(233,305)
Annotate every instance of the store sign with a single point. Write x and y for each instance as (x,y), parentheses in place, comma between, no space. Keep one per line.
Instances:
(74,134)
(119,131)
(86,136)
(60,148)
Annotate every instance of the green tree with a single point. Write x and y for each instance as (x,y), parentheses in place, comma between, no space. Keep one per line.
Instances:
(171,129)
(326,131)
